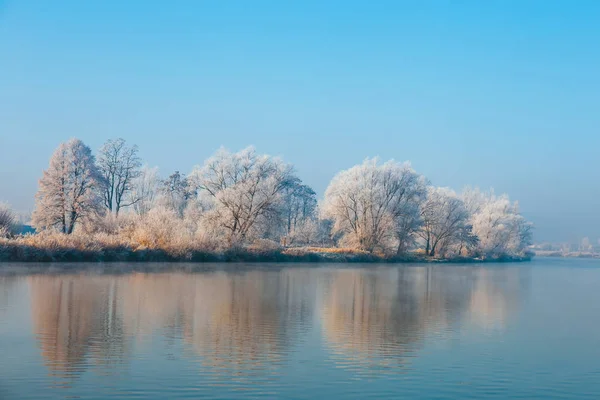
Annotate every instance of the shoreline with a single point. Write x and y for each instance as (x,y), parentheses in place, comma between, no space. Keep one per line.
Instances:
(26,254)
(559,254)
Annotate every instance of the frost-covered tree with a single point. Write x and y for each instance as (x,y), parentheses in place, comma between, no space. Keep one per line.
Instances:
(445,221)
(293,223)
(7,220)
(240,190)
(307,232)
(119,166)
(408,225)
(497,223)
(375,207)
(69,190)
(144,190)
(175,193)
(299,205)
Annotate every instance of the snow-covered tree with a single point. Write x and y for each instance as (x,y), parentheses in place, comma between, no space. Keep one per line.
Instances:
(299,205)
(304,233)
(375,207)
(175,193)
(497,223)
(445,221)
(240,190)
(119,166)
(69,190)
(7,220)
(296,217)
(408,225)
(144,190)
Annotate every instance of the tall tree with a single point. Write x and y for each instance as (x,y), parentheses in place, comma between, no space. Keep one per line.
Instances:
(375,206)
(241,188)
(69,189)
(119,165)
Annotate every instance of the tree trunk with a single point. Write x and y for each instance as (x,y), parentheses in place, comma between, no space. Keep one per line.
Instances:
(433,250)
(401,248)
(72,223)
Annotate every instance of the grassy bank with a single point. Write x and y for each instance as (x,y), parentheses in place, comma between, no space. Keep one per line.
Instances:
(571,254)
(53,248)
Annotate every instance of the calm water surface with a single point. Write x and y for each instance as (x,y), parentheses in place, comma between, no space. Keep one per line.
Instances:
(291,331)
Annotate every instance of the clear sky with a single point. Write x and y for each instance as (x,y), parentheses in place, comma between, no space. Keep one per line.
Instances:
(502,94)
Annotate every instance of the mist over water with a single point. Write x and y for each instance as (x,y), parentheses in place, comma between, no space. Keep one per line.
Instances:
(448,331)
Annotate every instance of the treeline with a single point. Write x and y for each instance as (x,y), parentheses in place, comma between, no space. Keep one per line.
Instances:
(256,202)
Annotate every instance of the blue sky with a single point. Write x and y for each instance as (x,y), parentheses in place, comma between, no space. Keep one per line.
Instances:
(501,94)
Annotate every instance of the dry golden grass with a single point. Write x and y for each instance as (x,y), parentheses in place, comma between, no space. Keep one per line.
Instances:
(144,244)
(325,250)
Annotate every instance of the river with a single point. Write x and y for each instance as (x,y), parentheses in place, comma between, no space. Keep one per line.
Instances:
(233,331)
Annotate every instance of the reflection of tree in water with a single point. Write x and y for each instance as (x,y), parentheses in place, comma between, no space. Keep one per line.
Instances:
(152,302)
(245,322)
(360,317)
(76,322)
(8,289)
(380,317)
(495,296)
(236,322)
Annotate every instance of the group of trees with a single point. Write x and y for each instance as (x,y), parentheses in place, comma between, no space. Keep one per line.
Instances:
(390,208)
(244,197)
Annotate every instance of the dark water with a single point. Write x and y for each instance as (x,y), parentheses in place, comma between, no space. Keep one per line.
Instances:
(445,332)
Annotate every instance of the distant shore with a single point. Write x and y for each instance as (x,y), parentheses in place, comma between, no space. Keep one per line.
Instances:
(572,254)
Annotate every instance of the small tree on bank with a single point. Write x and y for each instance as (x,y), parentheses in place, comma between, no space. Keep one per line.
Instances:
(68,191)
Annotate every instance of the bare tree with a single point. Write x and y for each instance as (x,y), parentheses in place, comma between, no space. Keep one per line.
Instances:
(69,189)
(375,207)
(241,188)
(119,165)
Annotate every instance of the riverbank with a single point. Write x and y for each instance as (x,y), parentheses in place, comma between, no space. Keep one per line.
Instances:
(573,254)
(77,250)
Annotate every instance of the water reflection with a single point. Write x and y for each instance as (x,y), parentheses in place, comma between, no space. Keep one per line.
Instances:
(8,288)
(248,323)
(76,318)
(379,318)
(234,322)
(495,297)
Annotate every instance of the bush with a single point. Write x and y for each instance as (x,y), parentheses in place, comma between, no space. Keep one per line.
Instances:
(264,246)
